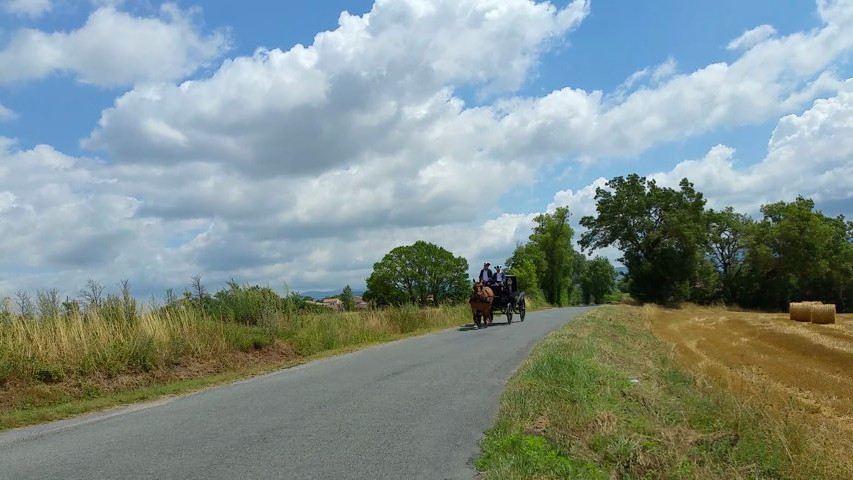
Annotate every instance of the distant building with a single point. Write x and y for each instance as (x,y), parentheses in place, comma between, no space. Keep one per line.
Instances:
(333,303)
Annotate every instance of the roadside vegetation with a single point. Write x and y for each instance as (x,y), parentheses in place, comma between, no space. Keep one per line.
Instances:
(605,397)
(55,355)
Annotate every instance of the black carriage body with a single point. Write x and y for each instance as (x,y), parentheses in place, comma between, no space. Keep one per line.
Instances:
(508,298)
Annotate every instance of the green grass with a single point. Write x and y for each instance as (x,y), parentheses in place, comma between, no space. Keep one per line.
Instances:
(603,398)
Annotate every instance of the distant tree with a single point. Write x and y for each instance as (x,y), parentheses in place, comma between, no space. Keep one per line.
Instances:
(92,294)
(415,273)
(49,304)
(661,232)
(199,292)
(523,264)
(71,308)
(598,280)
(348,299)
(552,237)
(727,243)
(26,307)
(796,253)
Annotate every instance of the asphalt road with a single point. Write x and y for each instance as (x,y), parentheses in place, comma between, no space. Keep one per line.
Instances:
(415,408)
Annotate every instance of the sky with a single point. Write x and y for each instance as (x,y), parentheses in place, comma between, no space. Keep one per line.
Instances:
(295,143)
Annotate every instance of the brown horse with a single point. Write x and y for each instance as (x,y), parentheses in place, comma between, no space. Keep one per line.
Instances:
(481,304)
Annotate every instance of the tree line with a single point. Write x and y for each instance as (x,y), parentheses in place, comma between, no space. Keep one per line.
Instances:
(676,249)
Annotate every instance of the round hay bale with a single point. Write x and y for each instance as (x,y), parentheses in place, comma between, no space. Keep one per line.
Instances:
(801,312)
(823,314)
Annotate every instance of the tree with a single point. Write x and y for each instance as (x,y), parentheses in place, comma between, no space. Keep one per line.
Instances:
(598,280)
(25,304)
(661,232)
(199,292)
(552,237)
(417,273)
(49,303)
(524,263)
(796,253)
(348,298)
(92,294)
(726,249)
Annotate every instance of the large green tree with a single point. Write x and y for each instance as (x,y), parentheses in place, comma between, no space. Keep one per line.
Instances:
(728,232)
(552,237)
(417,273)
(796,253)
(525,263)
(661,232)
(598,280)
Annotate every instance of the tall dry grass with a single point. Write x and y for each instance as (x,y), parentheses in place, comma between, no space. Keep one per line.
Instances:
(50,350)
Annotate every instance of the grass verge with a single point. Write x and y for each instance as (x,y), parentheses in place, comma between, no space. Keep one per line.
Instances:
(604,398)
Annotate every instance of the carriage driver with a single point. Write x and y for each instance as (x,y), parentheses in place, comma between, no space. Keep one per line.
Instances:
(486,274)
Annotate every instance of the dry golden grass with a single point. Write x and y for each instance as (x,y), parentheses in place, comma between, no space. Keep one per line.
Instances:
(795,372)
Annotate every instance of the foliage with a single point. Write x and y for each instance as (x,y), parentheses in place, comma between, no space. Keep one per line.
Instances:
(552,236)
(728,232)
(598,280)
(660,231)
(348,299)
(796,253)
(415,273)
(523,264)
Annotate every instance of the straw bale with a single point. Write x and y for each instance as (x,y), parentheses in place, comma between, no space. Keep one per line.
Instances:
(823,314)
(801,312)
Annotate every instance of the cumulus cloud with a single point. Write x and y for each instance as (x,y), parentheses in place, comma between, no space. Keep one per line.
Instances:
(6,114)
(808,154)
(752,37)
(114,48)
(29,8)
(308,164)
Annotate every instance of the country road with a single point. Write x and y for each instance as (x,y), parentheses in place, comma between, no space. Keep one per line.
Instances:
(415,408)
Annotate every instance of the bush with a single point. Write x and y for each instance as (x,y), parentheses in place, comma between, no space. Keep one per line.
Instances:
(49,373)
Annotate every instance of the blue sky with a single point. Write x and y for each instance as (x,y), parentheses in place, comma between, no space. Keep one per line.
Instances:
(289,166)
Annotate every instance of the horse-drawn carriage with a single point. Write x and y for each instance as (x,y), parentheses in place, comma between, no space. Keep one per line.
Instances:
(504,298)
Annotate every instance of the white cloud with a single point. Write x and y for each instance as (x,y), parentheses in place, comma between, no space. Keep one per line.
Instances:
(114,48)
(809,154)
(309,164)
(750,38)
(30,8)
(6,114)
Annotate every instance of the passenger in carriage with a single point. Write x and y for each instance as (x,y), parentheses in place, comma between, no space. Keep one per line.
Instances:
(500,277)
(498,281)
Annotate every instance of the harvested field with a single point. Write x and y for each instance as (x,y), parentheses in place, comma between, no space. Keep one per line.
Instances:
(787,368)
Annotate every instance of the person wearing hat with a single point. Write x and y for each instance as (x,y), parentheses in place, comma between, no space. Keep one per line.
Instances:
(486,273)
(500,277)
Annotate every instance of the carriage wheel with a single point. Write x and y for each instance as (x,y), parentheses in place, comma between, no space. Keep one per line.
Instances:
(509,313)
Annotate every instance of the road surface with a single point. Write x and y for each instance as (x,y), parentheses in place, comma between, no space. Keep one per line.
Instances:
(415,408)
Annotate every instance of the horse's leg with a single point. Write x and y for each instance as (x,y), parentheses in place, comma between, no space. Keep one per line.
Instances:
(476,315)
